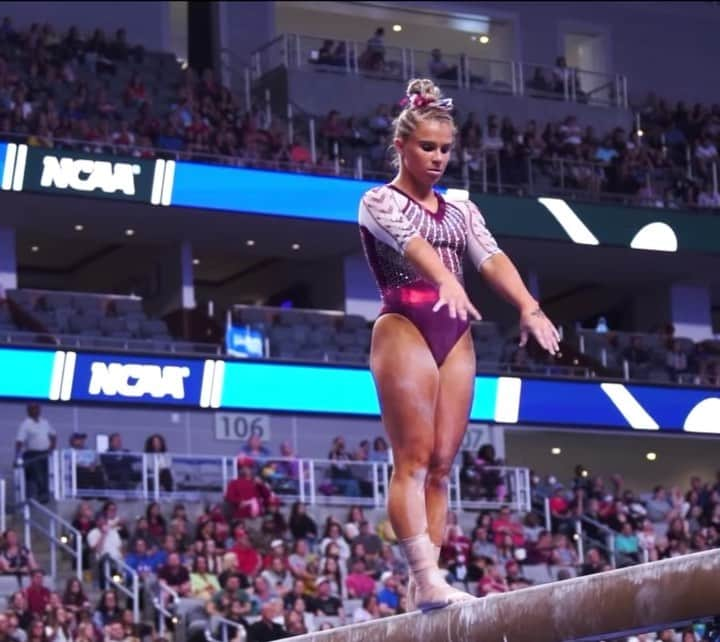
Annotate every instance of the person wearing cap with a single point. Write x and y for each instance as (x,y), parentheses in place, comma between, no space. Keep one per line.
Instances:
(324,603)
(249,560)
(88,473)
(36,439)
(388,595)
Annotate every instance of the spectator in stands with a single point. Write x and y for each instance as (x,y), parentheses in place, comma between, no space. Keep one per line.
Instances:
(248,559)
(370,610)
(563,554)
(333,535)
(155,444)
(267,628)
(284,475)
(174,575)
(14,557)
(299,562)
(105,542)
(371,541)
(341,475)
(389,595)
(324,603)
(351,528)
(118,465)
(36,439)
(74,599)
(439,69)
(481,545)
(358,583)
(87,470)
(594,562)
(659,506)
(380,451)
(246,495)
(492,581)
(37,594)
(373,58)
(18,607)
(627,546)
(278,577)
(203,582)
(107,610)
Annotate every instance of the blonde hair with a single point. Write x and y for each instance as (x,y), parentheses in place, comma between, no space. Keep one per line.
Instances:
(429,107)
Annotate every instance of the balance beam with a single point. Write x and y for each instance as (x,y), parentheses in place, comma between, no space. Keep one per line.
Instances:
(646,597)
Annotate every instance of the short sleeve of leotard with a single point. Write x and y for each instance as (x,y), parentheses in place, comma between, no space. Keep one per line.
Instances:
(480,242)
(381,212)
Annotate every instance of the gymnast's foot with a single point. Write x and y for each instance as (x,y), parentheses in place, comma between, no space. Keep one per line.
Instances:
(433,592)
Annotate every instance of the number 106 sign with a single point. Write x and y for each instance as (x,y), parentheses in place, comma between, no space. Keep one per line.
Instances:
(232,426)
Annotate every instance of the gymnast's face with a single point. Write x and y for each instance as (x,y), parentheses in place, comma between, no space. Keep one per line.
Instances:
(426,152)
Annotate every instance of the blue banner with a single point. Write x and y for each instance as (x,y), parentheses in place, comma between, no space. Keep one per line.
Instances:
(26,374)
(332,389)
(254,191)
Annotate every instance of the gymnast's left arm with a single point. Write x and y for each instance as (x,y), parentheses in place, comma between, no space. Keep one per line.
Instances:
(500,272)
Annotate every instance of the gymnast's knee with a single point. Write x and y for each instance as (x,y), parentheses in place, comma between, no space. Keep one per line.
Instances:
(438,474)
(415,471)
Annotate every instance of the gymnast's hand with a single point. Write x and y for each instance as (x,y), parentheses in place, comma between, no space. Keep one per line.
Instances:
(452,294)
(534,321)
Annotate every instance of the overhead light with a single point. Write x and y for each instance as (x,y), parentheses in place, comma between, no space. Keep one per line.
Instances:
(250,242)
(129,232)
(397,28)
(484,39)
(79,227)
(640,133)
(295,246)
(196,261)
(556,451)
(584,473)
(35,248)
(651,456)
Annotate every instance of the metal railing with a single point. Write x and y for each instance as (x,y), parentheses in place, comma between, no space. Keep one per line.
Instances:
(164,601)
(351,57)
(316,482)
(486,170)
(172,346)
(59,532)
(125,579)
(224,624)
(608,348)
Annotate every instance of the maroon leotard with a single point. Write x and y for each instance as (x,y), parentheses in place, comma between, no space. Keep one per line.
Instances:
(389,219)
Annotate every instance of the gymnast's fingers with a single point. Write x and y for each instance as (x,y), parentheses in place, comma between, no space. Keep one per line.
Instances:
(474,312)
(452,309)
(440,303)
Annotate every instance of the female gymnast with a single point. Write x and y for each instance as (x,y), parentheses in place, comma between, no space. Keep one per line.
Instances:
(422,356)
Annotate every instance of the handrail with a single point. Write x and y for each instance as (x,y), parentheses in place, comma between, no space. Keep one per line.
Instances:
(161,610)
(404,66)
(372,481)
(117,581)
(224,624)
(171,345)
(55,540)
(357,170)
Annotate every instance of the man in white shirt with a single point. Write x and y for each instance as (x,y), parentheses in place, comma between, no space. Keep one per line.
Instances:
(36,439)
(104,540)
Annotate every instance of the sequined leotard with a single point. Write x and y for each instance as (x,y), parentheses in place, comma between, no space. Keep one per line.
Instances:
(389,219)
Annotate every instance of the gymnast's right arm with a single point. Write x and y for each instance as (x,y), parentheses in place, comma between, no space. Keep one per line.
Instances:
(383,219)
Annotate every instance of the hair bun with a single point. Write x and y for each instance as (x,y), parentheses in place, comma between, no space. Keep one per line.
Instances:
(424,87)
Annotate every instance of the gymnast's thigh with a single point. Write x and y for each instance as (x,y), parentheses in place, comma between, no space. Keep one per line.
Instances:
(455,394)
(406,378)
